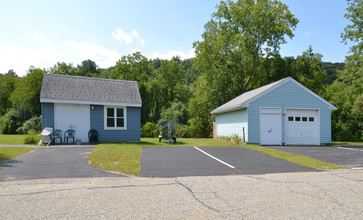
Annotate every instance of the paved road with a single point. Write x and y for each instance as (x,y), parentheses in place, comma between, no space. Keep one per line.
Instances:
(309,195)
(188,161)
(349,156)
(52,162)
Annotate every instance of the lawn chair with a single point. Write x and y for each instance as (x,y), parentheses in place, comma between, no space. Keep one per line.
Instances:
(56,134)
(93,136)
(69,134)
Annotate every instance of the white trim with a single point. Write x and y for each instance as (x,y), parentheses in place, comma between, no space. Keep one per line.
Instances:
(317,121)
(279,113)
(115,112)
(68,101)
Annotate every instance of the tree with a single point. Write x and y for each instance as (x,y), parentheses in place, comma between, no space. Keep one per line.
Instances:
(63,69)
(307,70)
(346,92)
(7,86)
(87,68)
(237,38)
(27,92)
(136,67)
(177,112)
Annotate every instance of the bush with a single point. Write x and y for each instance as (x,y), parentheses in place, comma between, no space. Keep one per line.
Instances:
(183,131)
(149,129)
(32,125)
(200,128)
(31,139)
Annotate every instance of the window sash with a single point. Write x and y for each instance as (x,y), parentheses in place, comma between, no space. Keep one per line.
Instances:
(115,118)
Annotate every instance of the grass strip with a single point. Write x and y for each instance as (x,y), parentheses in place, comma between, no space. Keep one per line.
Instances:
(294,158)
(15,139)
(335,143)
(122,158)
(7,153)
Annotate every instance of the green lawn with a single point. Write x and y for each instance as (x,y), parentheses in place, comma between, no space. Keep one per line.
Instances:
(126,157)
(334,143)
(15,139)
(6,153)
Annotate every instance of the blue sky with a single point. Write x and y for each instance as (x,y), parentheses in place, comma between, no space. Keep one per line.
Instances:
(42,32)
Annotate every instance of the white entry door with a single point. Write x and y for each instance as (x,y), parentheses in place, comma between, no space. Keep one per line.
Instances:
(302,127)
(72,116)
(270,126)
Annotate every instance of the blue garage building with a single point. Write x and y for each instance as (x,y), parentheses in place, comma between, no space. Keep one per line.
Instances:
(281,113)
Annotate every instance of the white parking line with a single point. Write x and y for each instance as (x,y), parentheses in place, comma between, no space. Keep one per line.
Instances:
(228,165)
(344,148)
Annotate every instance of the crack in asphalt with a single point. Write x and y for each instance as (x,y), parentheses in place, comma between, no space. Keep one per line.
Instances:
(87,188)
(193,195)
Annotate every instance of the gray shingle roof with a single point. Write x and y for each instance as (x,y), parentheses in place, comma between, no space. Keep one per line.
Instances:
(64,87)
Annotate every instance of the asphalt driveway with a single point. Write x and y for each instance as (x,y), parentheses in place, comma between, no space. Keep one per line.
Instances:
(210,161)
(348,156)
(53,162)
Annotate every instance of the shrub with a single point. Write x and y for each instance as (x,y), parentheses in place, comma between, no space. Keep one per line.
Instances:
(149,129)
(200,128)
(183,131)
(32,125)
(31,139)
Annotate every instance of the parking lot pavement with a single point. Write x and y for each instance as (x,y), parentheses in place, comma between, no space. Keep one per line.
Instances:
(334,194)
(52,162)
(210,161)
(348,156)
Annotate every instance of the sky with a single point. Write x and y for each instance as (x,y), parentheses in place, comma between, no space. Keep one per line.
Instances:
(41,33)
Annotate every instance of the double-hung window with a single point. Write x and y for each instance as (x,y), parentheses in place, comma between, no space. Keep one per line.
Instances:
(115,118)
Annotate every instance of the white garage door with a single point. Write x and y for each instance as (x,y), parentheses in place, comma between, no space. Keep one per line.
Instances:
(270,126)
(71,116)
(302,127)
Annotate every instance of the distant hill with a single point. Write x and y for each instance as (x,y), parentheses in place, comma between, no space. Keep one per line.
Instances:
(331,71)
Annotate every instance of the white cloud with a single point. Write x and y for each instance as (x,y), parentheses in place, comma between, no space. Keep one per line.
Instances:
(104,58)
(128,38)
(122,36)
(135,34)
(35,37)
(20,58)
(172,53)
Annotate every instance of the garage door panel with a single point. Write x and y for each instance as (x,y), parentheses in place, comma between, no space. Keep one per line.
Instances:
(72,116)
(270,126)
(302,127)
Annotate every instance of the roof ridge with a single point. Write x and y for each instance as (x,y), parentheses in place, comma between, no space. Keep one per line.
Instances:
(91,78)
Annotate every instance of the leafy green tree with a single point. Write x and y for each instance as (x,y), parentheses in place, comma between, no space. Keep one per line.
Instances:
(307,70)
(237,38)
(27,91)
(7,86)
(346,92)
(87,68)
(137,67)
(331,70)
(177,112)
(63,69)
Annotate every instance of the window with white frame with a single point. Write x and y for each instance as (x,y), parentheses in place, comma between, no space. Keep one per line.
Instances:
(115,117)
